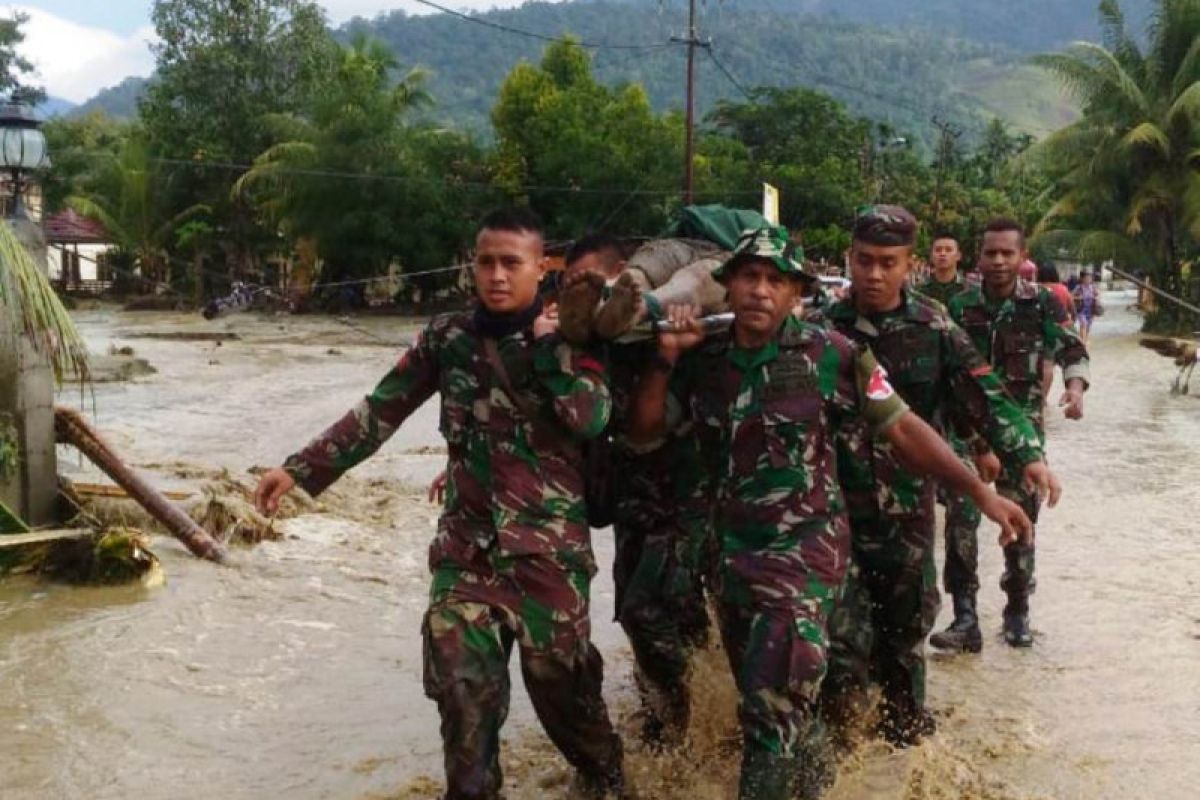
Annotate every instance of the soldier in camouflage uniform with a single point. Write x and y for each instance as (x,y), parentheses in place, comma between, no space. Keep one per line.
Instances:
(1018,327)
(659,603)
(962,517)
(891,601)
(767,400)
(512,560)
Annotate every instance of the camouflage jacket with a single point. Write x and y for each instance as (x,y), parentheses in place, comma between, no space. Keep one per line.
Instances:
(944,380)
(1018,335)
(942,292)
(766,422)
(510,484)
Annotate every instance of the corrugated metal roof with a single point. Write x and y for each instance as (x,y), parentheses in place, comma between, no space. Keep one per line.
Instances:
(71,227)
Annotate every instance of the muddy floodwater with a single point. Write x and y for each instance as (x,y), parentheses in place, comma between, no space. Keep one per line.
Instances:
(297,673)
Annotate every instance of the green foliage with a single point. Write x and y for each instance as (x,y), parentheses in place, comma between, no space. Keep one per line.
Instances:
(1125,179)
(77,144)
(223,67)
(348,172)
(128,192)
(13,67)
(556,126)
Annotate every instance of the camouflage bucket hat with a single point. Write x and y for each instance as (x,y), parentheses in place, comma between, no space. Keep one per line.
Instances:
(769,244)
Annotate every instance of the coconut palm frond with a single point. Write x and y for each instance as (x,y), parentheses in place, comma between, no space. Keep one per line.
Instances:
(1150,136)
(29,306)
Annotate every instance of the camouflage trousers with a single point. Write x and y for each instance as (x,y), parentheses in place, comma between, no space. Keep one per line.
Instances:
(773,612)
(476,614)
(878,629)
(961,572)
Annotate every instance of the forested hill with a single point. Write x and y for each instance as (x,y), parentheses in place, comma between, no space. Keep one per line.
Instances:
(1029,26)
(905,77)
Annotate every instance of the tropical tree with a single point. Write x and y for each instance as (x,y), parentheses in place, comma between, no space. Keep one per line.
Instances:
(1126,179)
(584,155)
(127,192)
(343,172)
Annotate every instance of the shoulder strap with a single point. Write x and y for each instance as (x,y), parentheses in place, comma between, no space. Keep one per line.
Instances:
(542,429)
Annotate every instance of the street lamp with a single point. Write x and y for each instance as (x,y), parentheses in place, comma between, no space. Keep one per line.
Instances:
(22,148)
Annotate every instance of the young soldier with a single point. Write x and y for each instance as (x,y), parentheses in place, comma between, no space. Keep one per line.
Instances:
(658,602)
(891,600)
(768,400)
(945,280)
(1018,327)
(512,559)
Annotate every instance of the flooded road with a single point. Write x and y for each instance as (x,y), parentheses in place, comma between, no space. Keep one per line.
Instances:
(297,673)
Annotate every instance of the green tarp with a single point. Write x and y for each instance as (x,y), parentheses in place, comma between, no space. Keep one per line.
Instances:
(715,223)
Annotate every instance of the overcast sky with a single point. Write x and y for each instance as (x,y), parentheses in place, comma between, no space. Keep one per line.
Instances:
(82,46)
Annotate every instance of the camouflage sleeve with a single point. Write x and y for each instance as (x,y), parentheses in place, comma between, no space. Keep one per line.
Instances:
(862,385)
(1063,343)
(979,404)
(364,429)
(576,383)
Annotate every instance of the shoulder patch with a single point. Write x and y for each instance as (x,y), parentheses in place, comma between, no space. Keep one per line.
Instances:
(878,386)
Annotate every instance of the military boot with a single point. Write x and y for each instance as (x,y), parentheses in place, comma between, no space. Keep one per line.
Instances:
(963,635)
(1016,620)
(766,776)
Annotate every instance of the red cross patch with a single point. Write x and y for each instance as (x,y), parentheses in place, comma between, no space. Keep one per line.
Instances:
(878,387)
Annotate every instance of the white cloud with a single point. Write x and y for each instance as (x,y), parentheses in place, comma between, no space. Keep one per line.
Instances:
(75,61)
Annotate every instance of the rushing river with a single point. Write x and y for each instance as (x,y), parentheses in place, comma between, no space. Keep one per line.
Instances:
(297,673)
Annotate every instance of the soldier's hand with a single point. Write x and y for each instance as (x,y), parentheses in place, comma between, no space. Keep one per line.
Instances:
(546,323)
(272,486)
(1039,478)
(988,466)
(437,489)
(1015,526)
(1072,399)
(683,332)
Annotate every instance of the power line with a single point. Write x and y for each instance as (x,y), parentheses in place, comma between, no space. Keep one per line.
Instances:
(540,36)
(729,75)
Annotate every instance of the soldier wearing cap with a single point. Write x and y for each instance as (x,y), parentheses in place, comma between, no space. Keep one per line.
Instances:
(891,598)
(768,399)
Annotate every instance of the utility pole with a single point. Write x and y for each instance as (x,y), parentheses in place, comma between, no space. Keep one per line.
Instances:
(950,135)
(689,142)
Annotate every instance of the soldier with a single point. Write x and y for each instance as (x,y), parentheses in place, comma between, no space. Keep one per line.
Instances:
(767,400)
(945,280)
(1018,327)
(512,559)
(658,602)
(891,599)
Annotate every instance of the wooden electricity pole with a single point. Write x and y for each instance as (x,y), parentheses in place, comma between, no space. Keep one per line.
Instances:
(689,142)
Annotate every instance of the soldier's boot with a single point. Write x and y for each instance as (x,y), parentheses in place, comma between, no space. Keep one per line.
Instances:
(1016,620)
(666,718)
(577,307)
(767,776)
(607,784)
(621,310)
(905,727)
(963,635)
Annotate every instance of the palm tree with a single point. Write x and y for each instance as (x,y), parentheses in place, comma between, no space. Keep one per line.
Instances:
(129,197)
(315,182)
(1128,185)
(30,308)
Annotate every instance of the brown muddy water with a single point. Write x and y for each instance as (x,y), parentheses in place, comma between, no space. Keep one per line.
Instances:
(297,673)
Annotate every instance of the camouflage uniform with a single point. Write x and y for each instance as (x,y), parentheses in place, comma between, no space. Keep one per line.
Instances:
(512,559)
(944,380)
(659,602)
(1017,335)
(960,576)
(765,421)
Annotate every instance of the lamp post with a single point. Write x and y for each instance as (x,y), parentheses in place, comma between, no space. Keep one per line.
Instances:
(22,148)
(26,380)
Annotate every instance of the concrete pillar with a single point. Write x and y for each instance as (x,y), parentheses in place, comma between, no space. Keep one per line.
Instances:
(27,407)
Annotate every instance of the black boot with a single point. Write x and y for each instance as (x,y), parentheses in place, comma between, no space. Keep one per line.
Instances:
(1016,620)
(963,635)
